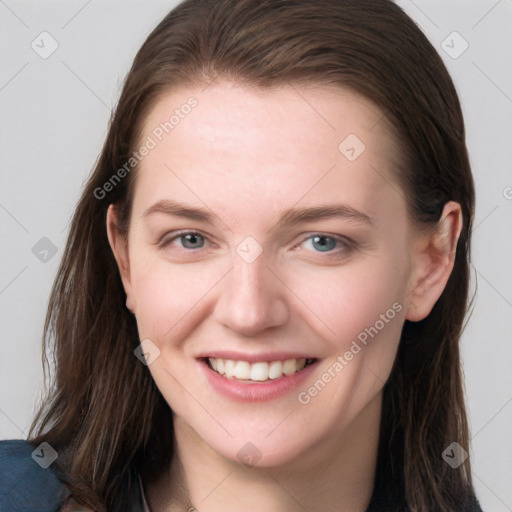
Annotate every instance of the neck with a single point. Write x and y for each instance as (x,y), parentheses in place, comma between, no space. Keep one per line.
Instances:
(336,473)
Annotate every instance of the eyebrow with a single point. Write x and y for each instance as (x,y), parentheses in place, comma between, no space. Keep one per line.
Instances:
(290,217)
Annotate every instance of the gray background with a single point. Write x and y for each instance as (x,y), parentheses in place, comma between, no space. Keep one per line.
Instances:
(54,114)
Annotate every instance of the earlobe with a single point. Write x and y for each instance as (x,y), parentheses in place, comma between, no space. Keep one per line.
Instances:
(434,263)
(119,245)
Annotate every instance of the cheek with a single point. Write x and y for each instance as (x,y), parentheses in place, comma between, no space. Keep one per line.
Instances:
(349,300)
(361,309)
(362,315)
(169,297)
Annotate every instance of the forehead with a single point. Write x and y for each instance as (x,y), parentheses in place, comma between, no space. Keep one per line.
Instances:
(234,145)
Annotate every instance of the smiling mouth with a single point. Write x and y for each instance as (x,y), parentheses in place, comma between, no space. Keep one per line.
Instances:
(256,372)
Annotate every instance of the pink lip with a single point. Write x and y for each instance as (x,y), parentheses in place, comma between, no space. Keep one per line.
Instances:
(248,392)
(255,358)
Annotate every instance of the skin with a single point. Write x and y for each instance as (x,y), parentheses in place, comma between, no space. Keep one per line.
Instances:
(247,155)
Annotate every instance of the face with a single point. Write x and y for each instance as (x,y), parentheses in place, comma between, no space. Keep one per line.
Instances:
(293,278)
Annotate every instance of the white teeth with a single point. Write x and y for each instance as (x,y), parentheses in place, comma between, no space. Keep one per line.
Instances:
(229,367)
(289,366)
(242,370)
(258,372)
(275,369)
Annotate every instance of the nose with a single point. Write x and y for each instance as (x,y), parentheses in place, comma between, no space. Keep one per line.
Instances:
(252,298)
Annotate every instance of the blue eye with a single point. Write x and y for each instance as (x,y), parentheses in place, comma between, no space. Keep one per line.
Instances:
(330,245)
(190,240)
(323,243)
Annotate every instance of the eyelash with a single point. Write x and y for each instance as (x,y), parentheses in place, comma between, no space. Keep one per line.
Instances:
(346,244)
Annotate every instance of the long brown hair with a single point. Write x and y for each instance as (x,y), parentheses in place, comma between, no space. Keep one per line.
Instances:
(103,412)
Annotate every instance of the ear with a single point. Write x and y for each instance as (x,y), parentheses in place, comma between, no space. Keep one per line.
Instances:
(119,245)
(433,260)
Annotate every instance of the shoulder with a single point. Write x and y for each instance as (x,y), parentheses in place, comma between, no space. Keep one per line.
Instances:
(27,482)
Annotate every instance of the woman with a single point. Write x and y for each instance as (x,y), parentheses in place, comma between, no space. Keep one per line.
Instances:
(263,290)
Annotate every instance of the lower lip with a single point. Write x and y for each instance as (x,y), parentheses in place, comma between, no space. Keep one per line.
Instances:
(249,392)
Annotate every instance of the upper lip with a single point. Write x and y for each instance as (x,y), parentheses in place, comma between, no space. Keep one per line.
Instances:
(254,358)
